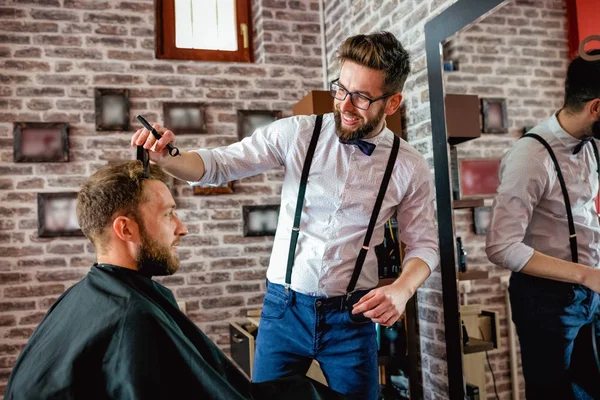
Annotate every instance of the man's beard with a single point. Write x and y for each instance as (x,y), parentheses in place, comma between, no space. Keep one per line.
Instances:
(155,259)
(361,131)
(596,129)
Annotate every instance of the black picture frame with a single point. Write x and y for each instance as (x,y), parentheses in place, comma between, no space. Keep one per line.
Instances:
(260,220)
(495,117)
(249,120)
(112,109)
(184,117)
(481,219)
(57,215)
(41,142)
(225,188)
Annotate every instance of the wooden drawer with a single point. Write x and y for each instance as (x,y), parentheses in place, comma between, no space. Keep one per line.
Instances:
(241,340)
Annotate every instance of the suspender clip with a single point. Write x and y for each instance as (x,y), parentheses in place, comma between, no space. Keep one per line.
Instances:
(573,235)
(287,288)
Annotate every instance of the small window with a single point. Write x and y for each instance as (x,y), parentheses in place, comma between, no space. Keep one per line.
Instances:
(208,30)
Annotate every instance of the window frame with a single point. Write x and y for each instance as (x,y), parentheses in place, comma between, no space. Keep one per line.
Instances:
(165,36)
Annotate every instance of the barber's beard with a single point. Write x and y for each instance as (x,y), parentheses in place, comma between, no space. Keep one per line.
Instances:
(360,131)
(155,259)
(596,129)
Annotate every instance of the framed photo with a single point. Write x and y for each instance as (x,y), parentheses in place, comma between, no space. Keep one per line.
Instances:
(479,178)
(260,220)
(495,118)
(250,120)
(481,219)
(41,142)
(112,109)
(57,215)
(209,190)
(185,117)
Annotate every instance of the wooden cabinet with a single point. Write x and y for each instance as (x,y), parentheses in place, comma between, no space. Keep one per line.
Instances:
(483,330)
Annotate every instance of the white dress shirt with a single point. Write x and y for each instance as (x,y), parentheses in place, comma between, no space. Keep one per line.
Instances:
(529,211)
(342,187)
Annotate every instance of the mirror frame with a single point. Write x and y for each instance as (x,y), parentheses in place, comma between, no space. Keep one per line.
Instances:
(438,30)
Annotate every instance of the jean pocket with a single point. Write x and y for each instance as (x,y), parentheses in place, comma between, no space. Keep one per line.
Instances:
(274,307)
(357,319)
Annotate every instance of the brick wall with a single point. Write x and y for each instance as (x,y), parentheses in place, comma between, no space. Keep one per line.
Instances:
(406,20)
(518,53)
(52,55)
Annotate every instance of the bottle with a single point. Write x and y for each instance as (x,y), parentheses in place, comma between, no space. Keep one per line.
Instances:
(461,255)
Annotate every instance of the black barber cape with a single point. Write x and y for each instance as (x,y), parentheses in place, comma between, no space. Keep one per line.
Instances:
(118,334)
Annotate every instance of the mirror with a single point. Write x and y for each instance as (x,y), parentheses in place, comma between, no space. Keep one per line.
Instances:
(496,69)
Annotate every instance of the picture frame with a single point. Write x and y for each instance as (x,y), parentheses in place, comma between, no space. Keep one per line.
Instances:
(41,142)
(260,220)
(181,117)
(250,120)
(225,188)
(57,215)
(112,109)
(479,177)
(481,219)
(495,117)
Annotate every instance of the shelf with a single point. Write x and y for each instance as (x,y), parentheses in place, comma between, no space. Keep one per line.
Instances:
(477,345)
(472,275)
(467,203)
(386,281)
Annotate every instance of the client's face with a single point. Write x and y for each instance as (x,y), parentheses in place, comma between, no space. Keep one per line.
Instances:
(160,232)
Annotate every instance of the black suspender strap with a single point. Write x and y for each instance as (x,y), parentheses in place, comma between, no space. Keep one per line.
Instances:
(595,148)
(563,186)
(384,184)
(300,201)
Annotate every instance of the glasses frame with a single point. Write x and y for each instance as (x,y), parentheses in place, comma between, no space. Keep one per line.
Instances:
(371,101)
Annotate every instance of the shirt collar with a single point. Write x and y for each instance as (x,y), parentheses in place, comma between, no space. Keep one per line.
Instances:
(563,136)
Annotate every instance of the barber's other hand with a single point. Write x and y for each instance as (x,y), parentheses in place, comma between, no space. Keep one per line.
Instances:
(592,280)
(157,148)
(384,305)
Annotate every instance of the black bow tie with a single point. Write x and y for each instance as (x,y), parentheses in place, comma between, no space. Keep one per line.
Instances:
(580,145)
(364,146)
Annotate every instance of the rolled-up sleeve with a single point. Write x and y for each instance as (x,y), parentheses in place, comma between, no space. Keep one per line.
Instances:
(523,179)
(417,218)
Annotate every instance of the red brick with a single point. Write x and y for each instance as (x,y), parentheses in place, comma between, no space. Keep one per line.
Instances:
(32,319)
(20,251)
(20,26)
(33,291)
(206,291)
(209,278)
(54,15)
(16,305)
(23,333)
(60,275)
(7,320)
(223,302)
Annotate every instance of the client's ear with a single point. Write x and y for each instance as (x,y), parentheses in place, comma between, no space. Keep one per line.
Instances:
(126,229)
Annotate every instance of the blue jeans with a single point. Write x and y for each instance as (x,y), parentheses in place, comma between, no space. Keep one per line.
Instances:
(558,361)
(296,328)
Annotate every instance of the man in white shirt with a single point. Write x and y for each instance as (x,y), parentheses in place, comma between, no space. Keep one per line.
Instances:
(555,277)
(313,307)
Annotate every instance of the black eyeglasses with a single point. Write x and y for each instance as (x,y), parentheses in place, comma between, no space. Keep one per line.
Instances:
(358,100)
